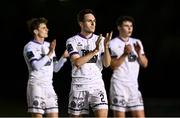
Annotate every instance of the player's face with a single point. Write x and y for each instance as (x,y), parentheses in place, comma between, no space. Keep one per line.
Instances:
(126,29)
(89,23)
(42,31)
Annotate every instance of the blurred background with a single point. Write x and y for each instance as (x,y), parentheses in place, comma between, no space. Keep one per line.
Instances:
(156,25)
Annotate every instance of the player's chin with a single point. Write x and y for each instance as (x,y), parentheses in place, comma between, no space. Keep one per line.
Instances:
(92,30)
(45,36)
(129,34)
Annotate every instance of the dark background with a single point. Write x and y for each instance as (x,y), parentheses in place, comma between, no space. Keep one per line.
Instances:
(156,24)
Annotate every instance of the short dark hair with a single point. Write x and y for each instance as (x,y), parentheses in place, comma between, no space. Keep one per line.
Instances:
(121,19)
(34,23)
(82,13)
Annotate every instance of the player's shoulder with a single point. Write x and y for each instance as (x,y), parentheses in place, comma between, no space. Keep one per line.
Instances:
(96,36)
(134,39)
(73,38)
(114,40)
(29,44)
(46,43)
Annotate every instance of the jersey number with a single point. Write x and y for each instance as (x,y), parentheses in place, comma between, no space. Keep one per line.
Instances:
(102,97)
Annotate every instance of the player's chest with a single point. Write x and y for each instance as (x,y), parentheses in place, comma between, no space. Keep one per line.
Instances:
(85,45)
(42,50)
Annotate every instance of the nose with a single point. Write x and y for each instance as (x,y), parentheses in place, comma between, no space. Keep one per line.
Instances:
(93,23)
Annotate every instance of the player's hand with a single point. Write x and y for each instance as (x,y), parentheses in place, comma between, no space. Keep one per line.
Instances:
(65,54)
(137,47)
(107,39)
(52,45)
(127,49)
(98,42)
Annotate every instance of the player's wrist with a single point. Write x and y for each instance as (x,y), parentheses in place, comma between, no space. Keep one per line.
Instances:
(95,51)
(106,47)
(125,53)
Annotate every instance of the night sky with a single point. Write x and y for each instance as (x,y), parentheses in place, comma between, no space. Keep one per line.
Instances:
(156,25)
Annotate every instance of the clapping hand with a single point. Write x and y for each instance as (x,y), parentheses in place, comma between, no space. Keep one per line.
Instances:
(107,39)
(137,47)
(98,42)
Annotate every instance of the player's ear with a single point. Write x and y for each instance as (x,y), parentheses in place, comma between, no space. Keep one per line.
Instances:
(81,24)
(35,31)
(118,27)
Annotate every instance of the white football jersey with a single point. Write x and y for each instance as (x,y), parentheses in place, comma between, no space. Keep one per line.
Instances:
(128,71)
(92,69)
(40,66)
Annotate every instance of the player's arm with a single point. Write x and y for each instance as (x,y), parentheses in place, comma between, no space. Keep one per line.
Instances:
(35,62)
(107,56)
(116,62)
(59,64)
(51,48)
(78,60)
(142,59)
(39,63)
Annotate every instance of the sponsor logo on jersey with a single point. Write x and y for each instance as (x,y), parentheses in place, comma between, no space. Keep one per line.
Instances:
(73,104)
(132,57)
(93,59)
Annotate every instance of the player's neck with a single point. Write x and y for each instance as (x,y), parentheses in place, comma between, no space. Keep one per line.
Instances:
(39,40)
(86,35)
(124,38)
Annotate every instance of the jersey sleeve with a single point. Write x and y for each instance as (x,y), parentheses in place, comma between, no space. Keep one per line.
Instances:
(112,50)
(33,58)
(71,47)
(59,64)
(141,46)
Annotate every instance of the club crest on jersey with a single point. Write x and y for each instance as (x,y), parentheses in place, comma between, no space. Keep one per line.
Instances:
(73,104)
(79,46)
(35,103)
(115,100)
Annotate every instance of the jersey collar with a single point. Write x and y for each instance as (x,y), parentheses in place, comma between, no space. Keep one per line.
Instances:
(84,36)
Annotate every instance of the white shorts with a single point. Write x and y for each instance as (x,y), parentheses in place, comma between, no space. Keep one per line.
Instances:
(41,99)
(125,97)
(80,99)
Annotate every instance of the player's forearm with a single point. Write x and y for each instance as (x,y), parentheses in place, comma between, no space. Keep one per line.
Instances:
(59,64)
(117,62)
(84,59)
(50,53)
(143,60)
(38,64)
(106,58)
